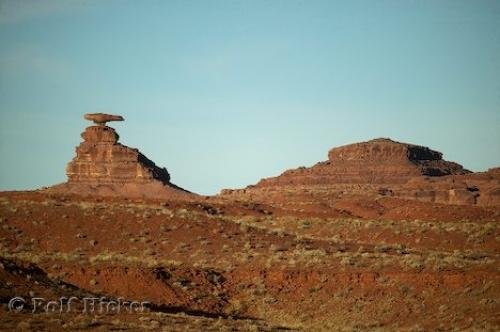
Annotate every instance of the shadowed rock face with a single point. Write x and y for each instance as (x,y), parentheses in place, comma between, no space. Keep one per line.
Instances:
(102,166)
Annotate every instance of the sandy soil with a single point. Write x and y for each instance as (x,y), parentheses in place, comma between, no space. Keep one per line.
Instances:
(216,263)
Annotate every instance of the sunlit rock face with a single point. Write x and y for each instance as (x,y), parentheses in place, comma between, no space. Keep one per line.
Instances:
(101,159)
(103,166)
(379,168)
(379,161)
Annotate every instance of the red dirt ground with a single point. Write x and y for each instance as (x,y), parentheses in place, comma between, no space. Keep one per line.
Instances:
(354,263)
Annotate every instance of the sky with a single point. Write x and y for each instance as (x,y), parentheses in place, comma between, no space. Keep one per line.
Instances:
(224,93)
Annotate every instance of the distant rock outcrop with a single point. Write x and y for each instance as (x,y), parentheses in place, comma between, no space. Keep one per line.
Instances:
(379,161)
(382,167)
(384,156)
(103,166)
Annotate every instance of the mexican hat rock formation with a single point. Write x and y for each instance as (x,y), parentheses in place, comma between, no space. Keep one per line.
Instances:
(102,166)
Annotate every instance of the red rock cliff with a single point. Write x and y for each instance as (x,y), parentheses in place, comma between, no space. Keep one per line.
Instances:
(380,167)
(379,161)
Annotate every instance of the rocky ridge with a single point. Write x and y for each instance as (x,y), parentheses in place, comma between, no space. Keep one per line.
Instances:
(382,167)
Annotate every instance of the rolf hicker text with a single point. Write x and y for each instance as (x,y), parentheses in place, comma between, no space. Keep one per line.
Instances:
(97,305)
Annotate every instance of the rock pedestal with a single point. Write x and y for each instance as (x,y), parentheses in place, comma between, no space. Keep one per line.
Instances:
(102,166)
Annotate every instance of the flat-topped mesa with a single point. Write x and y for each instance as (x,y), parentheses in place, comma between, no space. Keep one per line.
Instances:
(376,168)
(382,149)
(379,161)
(104,166)
(388,157)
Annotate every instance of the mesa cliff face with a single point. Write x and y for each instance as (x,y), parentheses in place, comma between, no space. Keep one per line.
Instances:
(381,167)
(384,156)
(379,161)
(102,166)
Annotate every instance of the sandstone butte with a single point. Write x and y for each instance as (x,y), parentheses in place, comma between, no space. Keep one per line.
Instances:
(378,168)
(104,167)
(373,169)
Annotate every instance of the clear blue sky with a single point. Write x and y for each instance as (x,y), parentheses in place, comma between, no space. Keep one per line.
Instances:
(224,93)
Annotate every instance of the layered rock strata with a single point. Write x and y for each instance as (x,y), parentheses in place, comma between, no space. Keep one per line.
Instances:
(102,166)
(382,167)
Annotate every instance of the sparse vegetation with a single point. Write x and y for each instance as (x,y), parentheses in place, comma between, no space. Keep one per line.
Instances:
(289,270)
